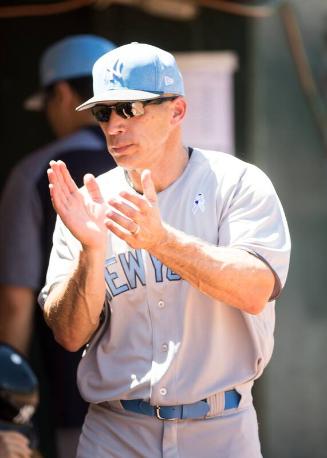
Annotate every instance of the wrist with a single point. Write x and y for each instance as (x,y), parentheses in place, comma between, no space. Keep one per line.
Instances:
(93,253)
(163,240)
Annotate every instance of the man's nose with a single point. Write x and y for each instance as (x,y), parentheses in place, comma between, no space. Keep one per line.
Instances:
(115,125)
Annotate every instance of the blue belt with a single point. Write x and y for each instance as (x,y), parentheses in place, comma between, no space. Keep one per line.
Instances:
(179,412)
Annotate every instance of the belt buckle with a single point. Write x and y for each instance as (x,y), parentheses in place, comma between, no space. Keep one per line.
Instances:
(157,411)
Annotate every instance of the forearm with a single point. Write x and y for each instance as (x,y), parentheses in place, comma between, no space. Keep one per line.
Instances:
(16,313)
(73,308)
(229,275)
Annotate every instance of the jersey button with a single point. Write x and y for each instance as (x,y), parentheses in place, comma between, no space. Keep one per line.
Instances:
(164,347)
(163,391)
(161,304)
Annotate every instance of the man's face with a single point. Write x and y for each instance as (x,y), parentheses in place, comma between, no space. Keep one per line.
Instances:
(53,112)
(140,141)
(60,109)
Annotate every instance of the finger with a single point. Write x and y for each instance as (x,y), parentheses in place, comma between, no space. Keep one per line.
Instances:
(125,208)
(57,178)
(125,223)
(68,180)
(93,188)
(139,201)
(59,199)
(149,190)
(51,176)
(53,181)
(54,166)
(118,230)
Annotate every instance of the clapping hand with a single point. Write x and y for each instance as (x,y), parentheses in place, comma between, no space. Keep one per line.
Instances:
(136,218)
(82,212)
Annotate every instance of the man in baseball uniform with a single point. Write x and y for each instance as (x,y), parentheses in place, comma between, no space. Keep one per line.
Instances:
(167,268)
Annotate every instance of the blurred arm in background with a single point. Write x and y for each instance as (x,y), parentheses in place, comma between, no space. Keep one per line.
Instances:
(16,316)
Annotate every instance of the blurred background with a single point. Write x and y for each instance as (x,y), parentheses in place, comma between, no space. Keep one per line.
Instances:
(273,90)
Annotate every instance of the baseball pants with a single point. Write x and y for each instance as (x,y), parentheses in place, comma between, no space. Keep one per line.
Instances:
(111,432)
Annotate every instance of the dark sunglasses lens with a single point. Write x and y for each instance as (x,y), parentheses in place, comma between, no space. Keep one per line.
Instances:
(101,114)
(124,109)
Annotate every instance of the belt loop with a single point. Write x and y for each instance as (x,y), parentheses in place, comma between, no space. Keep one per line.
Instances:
(217,401)
(217,404)
(245,391)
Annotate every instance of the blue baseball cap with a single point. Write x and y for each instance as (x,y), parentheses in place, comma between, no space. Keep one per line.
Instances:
(71,57)
(136,71)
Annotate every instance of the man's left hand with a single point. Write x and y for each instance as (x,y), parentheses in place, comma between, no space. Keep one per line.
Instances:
(136,218)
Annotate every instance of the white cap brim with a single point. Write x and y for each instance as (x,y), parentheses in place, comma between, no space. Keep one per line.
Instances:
(117,95)
(35,102)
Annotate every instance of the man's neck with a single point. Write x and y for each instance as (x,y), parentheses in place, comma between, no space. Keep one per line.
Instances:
(163,175)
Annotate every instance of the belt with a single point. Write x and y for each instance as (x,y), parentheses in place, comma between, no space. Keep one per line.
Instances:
(179,412)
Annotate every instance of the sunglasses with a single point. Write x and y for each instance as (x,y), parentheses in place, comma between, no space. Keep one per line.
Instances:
(125,110)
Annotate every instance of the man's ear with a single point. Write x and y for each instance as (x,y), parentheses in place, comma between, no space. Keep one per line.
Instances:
(179,110)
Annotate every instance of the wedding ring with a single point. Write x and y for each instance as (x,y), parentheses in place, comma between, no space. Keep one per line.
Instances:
(137,230)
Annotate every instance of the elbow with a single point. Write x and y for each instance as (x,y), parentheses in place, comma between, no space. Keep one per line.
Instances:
(250,304)
(257,301)
(261,292)
(68,342)
(67,336)
(255,307)
(73,340)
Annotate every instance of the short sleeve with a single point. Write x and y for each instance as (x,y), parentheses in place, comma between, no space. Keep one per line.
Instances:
(65,251)
(255,221)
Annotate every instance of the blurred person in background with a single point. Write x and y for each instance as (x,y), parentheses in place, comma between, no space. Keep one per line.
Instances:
(26,225)
(19,397)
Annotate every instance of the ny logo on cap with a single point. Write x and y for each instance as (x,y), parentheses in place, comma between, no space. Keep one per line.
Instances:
(112,78)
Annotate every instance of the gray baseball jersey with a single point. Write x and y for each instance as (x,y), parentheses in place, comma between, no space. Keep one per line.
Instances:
(162,339)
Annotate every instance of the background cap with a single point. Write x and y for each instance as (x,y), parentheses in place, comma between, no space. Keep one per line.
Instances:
(135,71)
(71,57)
(19,393)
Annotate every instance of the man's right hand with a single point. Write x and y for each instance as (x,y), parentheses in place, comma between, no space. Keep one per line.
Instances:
(14,445)
(82,211)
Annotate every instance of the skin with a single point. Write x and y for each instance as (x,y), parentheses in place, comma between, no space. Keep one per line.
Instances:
(17,302)
(14,445)
(16,313)
(149,147)
(60,111)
